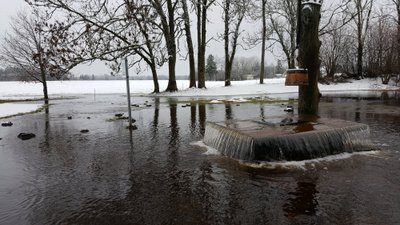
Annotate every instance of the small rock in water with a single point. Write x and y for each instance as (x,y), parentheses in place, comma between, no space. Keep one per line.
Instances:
(183,106)
(69,117)
(26,136)
(148,105)
(133,127)
(133,121)
(135,105)
(85,131)
(237,105)
(119,114)
(1,139)
(188,104)
(288,108)
(286,121)
(88,118)
(8,124)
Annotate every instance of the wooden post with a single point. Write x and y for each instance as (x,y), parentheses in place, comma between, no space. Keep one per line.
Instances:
(309,45)
(128,92)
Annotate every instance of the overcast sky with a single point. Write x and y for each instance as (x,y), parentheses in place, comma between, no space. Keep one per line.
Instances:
(11,7)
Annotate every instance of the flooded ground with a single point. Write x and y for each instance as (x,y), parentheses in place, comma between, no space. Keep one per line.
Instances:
(157,176)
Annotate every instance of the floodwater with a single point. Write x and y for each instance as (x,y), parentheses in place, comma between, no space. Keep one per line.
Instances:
(158,176)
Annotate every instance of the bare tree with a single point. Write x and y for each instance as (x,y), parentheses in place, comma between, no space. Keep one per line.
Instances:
(110,31)
(234,13)
(25,48)
(166,10)
(282,16)
(264,39)
(334,45)
(192,69)
(202,6)
(362,10)
(258,12)
(397,19)
(381,49)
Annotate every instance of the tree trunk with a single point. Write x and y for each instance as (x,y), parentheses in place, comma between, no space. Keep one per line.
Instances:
(360,51)
(398,34)
(264,31)
(200,77)
(228,72)
(192,70)
(172,78)
(44,83)
(226,44)
(155,78)
(309,46)
(171,46)
(202,45)
(228,65)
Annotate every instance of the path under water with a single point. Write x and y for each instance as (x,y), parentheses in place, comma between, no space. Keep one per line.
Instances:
(156,176)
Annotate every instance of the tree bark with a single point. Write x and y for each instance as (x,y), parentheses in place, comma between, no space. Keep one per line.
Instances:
(360,52)
(171,46)
(308,58)
(397,3)
(44,83)
(43,76)
(239,9)
(202,7)
(155,78)
(264,32)
(228,65)
(192,69)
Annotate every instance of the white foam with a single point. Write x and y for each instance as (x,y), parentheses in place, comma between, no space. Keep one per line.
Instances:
(311,163)
(209,150)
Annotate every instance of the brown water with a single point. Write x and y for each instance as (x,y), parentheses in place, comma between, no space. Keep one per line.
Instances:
(156,176)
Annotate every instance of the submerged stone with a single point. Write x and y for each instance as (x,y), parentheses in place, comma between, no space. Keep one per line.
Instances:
(286,139)
(8,124)
(26,136)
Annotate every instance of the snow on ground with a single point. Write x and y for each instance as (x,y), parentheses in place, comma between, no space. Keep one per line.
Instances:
(14,90)
(8,109)
(23,90)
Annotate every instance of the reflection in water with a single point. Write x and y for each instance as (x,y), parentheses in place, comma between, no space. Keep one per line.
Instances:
(304,127)
(228,112)
(156,117)
(174,132)
(262,112)
(193,109)
(357,117)
(385,95)
(202,118)
(45,145)
(302,200)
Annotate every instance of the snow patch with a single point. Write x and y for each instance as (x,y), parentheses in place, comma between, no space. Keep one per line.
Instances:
(10,109)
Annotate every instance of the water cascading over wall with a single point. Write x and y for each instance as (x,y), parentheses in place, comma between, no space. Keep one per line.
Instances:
(257,141)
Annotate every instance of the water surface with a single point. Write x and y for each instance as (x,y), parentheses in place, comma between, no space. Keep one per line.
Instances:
(155,175)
